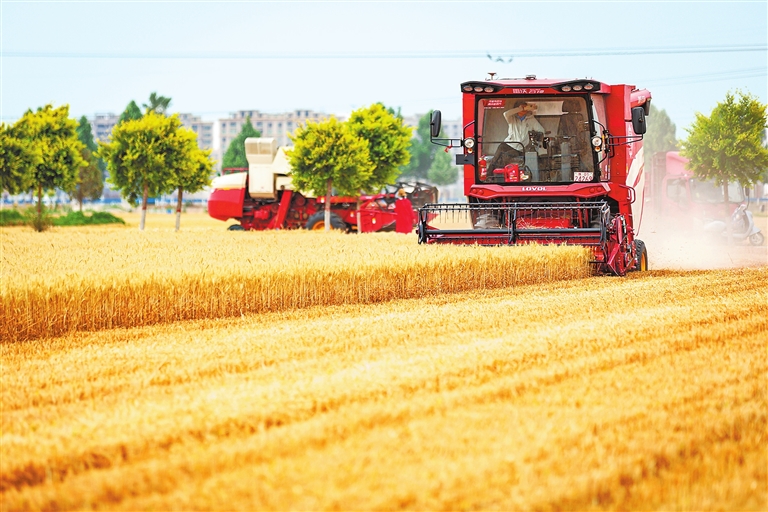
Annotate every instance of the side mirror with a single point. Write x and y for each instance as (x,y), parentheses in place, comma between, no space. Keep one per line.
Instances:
(435,124)
(638,120)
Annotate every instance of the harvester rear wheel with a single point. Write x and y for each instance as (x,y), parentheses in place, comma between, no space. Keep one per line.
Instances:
(316,222)
(642,256)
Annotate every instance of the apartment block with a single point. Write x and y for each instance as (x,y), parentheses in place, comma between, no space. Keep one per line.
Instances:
(203,129)
(102,124)
(270,125)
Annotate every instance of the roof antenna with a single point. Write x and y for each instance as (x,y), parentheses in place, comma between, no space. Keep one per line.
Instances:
(490,76)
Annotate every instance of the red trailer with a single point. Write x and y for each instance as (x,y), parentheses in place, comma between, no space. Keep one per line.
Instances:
(262,196)
(548,161)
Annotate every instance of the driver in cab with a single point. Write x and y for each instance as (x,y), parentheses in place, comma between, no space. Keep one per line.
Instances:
(520,120)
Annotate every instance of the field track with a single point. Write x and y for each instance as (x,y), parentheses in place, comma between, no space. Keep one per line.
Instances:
(647,392)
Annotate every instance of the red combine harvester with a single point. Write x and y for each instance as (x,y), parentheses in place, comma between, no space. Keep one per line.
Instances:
(549,162)
(263,197)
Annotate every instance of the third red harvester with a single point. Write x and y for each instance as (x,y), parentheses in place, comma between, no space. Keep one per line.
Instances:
(574,176)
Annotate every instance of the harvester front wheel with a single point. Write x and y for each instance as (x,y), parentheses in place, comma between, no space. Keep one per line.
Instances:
(316,222)
(642,256)
(235,227)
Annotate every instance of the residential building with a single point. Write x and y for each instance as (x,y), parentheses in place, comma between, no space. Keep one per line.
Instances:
(270,125)
(102,124)
(203,129)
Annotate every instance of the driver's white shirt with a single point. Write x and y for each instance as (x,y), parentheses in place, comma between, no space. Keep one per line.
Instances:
(518,130)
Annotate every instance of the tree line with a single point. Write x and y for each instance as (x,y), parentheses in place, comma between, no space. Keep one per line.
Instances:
(148,154)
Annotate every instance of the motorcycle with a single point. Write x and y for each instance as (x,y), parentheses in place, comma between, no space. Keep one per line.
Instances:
(742,227)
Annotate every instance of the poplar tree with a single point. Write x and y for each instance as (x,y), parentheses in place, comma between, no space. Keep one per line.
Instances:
(235,154)
(661,135)
(429,162)
(90,183)
(131,113)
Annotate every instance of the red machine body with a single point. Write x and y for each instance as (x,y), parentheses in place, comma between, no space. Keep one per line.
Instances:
(576,178)
(262,196)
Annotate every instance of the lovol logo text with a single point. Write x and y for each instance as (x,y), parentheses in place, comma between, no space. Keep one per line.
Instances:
(534,189)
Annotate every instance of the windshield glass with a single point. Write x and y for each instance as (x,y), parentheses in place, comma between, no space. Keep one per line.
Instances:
(709,192)
(534,140)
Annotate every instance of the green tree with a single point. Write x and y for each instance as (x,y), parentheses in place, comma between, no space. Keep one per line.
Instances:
(421,151)
(131,113)
(192,172)
(157,104)
(727,146)
(18,156)
(424,153)
(235,154)
(388,141)
(54,135)
(143,157)
(442,171)
(660,136)
(328,154)
(90,184)
(85,134)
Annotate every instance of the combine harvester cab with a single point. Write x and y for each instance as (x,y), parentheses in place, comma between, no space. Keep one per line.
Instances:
(576,178)
(263,197)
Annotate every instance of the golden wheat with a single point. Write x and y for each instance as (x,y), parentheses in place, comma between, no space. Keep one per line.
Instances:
(103,278)
(647,392)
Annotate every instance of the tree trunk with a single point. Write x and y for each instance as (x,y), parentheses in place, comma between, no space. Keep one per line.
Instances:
(144,198)
(178,209)
(328,190)
(40,201)
(728,226)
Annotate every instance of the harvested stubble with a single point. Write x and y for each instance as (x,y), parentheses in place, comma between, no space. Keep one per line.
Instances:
(647,392)
(94,279)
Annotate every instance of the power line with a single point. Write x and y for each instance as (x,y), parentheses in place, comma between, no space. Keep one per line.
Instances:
(502,54)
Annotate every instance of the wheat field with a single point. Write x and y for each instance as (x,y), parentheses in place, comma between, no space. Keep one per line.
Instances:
(108,277)
(572,393)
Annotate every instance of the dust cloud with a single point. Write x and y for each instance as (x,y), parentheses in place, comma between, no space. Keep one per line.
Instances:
(673,247)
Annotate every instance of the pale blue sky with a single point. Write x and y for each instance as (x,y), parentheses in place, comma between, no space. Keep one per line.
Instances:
(213,58)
